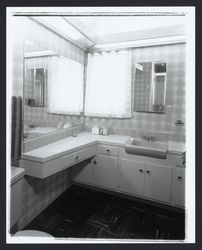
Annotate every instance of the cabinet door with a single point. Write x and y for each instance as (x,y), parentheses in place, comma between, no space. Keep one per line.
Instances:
(179,187)
(106,171)
(158,181)
(83,172)
(132,177)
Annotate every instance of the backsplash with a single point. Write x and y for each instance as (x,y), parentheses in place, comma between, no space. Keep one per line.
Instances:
(40,117)
(160,125)
(41,141)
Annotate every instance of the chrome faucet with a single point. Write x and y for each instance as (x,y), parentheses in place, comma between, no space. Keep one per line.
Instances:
(148,137)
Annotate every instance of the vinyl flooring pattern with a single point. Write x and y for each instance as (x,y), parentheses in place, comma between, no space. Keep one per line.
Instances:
(86,213)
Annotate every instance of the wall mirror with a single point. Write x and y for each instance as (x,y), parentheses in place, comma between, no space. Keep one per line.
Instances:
(37,119)
(150,87)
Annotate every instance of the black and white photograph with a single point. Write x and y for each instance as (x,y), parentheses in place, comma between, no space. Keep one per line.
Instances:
(100,125)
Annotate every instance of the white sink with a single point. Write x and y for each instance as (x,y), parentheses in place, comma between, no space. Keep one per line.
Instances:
(146,148)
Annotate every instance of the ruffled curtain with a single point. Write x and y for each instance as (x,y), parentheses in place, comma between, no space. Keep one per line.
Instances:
(65,86)
(108,86)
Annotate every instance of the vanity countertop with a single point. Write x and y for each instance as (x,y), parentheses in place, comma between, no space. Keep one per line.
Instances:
(70,144)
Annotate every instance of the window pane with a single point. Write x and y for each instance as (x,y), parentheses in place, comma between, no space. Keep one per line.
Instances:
(160,67)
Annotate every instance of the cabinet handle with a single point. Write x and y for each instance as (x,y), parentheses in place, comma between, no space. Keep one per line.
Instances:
(108,150)
(76,158)
(140,171)
(179,178)
(148,172)
(95,162)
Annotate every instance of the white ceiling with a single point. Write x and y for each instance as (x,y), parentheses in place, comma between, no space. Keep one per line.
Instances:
(99,26)
(93,31)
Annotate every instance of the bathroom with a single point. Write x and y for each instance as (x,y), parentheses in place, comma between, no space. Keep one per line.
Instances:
(112,140)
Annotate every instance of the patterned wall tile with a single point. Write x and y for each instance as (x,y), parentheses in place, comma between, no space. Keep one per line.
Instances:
(175,96)
(37,194)
(142,87)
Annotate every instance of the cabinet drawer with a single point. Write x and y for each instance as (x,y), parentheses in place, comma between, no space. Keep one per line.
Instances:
(78,156)
(43,170)
(108,150)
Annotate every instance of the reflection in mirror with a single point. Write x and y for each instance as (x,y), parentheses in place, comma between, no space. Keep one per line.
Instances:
(38,120)
(150,87)
(36,78)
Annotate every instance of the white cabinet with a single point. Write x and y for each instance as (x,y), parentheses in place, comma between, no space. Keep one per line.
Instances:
(106,171)
(101,171)
(131,177)
(145,177)
(178,194)
(151,181)
(158,181)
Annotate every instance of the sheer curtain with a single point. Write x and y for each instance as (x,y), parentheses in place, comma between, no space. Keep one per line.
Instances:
(65,86)
(108,86)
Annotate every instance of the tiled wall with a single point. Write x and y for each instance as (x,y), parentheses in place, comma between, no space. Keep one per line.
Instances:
(40,117)
(160,125)
(38,194)
(26,29)
(143,87)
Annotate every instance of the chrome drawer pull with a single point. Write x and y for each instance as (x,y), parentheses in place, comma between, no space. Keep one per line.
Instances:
(107,150)
(140,171)
(148,172)
(179,178)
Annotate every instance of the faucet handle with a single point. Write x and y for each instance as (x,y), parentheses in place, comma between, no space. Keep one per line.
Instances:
(148,137)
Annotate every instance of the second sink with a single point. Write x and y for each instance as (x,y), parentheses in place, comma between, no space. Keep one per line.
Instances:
(146,148)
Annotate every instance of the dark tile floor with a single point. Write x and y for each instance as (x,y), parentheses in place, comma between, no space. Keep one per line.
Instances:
(85,213)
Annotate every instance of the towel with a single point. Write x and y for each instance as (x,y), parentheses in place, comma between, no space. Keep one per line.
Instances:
(16,128)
